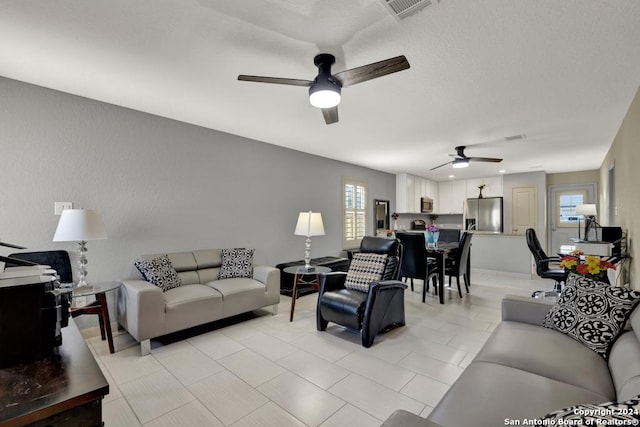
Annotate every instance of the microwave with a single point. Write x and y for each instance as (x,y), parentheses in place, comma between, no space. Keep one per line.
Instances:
(426,205)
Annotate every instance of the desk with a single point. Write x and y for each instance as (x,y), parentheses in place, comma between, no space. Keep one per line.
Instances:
(64,389)
(441,253)
(99,306)
(299,273)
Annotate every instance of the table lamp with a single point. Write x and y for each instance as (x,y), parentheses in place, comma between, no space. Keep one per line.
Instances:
(589,212)
(309,224)
(80,225)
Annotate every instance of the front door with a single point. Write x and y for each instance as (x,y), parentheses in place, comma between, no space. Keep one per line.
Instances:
(564,225)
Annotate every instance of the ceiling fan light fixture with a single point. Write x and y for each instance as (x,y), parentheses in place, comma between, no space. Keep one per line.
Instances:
(460,163)
(324,95)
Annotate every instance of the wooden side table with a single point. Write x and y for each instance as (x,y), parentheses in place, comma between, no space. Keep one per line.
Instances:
(300,278)
(99,306)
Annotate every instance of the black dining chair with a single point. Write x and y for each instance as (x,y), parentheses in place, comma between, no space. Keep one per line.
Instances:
(457,265)
(415,264)
(543,265)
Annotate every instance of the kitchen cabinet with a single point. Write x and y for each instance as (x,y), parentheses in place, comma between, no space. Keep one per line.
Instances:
(451,197)
(409,190)
(493,187)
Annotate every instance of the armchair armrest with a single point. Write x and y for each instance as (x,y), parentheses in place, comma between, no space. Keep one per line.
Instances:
(386,284)
(141,308)
(402,418)
(525,309)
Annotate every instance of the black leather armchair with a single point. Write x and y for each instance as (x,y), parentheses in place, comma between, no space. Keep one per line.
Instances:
(543,267)
(379,309)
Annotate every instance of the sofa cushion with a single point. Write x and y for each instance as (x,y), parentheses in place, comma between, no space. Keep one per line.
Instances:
(236,262)
(239,294)
(605,414)
(511,394)
(159,271)
(191,305)
(564,359)
(592,312)
(364,269)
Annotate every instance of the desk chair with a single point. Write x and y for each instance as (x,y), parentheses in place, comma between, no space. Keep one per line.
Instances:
(415,264)
(543,268)
(371,307)
(457,264)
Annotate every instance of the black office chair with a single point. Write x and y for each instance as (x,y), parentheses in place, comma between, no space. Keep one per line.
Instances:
(58,260)
(377,309)
(457,265)
(543,268)
(415,264)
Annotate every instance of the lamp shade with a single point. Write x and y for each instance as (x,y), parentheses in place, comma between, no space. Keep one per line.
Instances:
(80,225)
(586,209)
(309,224)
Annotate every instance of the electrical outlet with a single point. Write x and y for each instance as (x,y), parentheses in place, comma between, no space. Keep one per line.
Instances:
(58,207)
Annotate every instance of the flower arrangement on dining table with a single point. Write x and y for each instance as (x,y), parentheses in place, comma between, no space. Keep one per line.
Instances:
(592,267)
(432,235)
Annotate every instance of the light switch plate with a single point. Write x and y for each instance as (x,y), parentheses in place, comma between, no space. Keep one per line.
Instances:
(58,207)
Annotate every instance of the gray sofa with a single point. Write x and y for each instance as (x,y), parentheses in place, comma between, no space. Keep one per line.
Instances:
(146,312)
(525,371)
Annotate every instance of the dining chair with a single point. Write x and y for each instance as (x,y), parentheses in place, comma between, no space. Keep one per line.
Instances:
(457,265)
(415,263)
(543,265)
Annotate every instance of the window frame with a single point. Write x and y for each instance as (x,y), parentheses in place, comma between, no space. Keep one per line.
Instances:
(358,214)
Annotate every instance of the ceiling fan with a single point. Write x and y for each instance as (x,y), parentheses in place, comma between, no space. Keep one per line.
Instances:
(325,89)
(460,160)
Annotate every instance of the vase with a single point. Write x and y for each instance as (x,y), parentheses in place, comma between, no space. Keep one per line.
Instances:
(432,238)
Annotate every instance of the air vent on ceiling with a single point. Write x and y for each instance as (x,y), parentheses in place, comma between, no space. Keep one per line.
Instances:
(403,8)
(515,137)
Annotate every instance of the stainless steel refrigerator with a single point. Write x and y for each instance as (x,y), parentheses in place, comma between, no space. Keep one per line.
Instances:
(483,214)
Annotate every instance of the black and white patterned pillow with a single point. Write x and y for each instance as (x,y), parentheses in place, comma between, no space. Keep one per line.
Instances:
(236,262)
(160,272)
(592,312)
(364,269)
(606,414)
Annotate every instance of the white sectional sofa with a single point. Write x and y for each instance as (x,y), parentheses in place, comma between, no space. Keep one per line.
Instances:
(146,311)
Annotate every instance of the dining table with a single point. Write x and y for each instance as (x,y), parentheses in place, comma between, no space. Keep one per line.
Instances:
(440,252)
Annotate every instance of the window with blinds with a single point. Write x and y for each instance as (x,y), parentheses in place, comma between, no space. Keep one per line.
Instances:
(567,202)
(354,212)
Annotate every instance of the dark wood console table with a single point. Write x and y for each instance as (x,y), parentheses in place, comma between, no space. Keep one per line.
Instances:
(64,389)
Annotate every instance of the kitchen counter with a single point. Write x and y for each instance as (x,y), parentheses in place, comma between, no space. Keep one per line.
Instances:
(503,252)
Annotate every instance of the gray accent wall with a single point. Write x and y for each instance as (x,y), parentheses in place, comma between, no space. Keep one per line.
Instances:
(161,185)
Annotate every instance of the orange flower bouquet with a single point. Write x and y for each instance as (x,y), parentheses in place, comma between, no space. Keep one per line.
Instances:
(592,267)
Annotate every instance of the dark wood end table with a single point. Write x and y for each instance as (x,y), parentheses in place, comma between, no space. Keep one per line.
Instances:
(300,273)
(99,306)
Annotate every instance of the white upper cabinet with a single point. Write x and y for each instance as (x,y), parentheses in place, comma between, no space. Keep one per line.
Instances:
(410,189)
(492,187)
(451,197)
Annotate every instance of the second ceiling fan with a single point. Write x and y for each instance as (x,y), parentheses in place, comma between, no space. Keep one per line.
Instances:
(460,160)
(325,89)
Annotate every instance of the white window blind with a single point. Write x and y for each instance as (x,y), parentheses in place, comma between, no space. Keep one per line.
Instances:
(354,212)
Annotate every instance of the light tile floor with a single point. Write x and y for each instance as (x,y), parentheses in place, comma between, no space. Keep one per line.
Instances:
(266,371)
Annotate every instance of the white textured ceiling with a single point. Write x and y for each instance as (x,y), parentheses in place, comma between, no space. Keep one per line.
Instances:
(562,72)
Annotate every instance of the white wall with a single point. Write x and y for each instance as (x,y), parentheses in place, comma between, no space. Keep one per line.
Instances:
(623,155)
(161,185)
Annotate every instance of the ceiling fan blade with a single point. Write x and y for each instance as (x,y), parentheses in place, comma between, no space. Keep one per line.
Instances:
(484,159)
(276,80)
(439,166)
(330,115)
(372,71)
